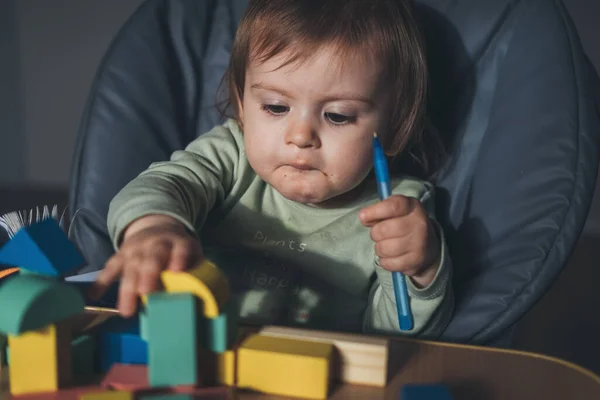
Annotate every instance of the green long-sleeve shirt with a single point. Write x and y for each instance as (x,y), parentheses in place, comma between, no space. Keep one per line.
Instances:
(287,262)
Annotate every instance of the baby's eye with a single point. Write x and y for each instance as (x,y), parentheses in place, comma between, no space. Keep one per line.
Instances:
(275,109)
(339,119)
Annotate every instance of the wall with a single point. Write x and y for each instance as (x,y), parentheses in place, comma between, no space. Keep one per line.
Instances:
(52,50)
(13,162)
(61,43)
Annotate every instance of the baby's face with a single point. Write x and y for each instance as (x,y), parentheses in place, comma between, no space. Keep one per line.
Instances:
(308,127)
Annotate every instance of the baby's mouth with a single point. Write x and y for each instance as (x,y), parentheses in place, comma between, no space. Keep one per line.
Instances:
(301,166)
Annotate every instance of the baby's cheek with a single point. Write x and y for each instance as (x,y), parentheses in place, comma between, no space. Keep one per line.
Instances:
(261,155)
(354,164)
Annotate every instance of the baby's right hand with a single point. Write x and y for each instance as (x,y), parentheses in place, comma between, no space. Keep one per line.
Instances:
(151,244)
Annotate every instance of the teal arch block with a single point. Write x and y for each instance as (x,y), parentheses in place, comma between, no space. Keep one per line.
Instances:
(31,302)
(221,332)
(217,333)
(42,248)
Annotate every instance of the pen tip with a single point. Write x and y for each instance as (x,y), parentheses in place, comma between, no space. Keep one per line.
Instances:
(374,134)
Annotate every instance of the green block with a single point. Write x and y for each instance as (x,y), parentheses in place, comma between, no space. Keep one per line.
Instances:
(83,356)
(221,332)
(23,271)
(173,339)
(31,302)
(217,333)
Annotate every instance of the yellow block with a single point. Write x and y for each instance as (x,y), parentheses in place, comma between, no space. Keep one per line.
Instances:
(285,367)
(225,368)
(206,281)
(107,396)
(363,359)
(40,360)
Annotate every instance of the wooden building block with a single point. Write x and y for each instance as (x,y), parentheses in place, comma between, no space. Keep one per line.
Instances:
(225,368)
(207,282)
(222,367)
(173,339)
(286,367)
(108,395)
(126,377)
(121,347)
(83,349)
(42,248)
(217,333)
(40,360)
(31,302)
(364,359)
(119,341)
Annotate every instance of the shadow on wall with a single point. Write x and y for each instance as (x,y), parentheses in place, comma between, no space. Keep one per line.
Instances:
(21,198)
(565,322)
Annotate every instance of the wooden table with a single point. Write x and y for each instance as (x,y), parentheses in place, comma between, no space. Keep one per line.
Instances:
(472,373)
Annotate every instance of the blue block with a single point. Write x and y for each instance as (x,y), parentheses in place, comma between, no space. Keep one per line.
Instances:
(42,248)
(425,392)
(120,342)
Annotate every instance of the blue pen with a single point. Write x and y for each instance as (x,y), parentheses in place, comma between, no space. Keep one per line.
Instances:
(383,186)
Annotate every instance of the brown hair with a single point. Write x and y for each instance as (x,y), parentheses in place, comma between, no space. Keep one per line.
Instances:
(383,30)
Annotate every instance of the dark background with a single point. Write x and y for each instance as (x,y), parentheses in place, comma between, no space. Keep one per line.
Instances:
(49,51)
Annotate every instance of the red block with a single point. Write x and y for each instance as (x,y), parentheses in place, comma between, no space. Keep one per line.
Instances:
(126,377)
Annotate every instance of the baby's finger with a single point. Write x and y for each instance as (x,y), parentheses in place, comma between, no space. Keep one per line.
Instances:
(395,247)
(391,228)
(393,206)
(407,263)
(110,273)
(183,256)
(149,271)
(128,291)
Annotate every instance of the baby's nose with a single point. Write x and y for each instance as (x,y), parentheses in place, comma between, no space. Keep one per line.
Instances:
(302,135)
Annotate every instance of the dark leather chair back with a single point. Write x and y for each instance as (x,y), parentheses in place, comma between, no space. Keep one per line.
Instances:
(511,88)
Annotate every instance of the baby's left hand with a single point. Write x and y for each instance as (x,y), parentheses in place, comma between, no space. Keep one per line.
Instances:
(405,238)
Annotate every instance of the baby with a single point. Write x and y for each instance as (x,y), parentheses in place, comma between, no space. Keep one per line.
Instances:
(282,196)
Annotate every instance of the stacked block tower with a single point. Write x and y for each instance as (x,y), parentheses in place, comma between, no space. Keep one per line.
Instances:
(37,307)
(184,343)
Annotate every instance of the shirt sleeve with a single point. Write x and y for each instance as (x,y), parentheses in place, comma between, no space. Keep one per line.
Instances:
(431,306)
(186,187)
